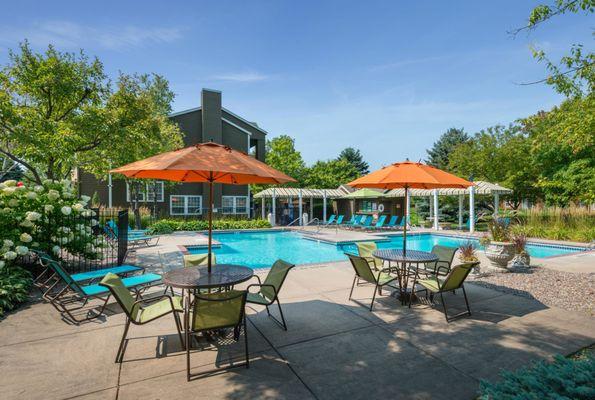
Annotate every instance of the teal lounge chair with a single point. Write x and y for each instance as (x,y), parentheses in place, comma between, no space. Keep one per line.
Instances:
(48,276)
(355,220)
(401,223)
(330,220)
(134,238)
(392,222)
(380,222)
(365,223)
(75,292)
(339,220)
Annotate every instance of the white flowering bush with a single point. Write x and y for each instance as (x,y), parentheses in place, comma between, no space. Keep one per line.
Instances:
(45,217)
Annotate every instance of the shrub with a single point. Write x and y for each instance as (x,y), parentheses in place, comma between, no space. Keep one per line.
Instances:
(14,287)
(570,223)
(165,226)
(43,217)
(499,229)
(561,379)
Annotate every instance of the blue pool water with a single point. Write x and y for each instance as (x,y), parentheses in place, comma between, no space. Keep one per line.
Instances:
(261,249)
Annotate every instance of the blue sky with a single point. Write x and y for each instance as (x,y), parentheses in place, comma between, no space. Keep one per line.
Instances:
(386,77)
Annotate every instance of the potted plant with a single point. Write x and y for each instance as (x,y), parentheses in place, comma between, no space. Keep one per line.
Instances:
(467,253)
(521,256)
(500,250)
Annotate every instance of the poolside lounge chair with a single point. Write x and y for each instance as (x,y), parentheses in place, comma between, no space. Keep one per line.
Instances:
(363,271)
(355,220)
(350,222)
(217,311)
(339,220)
(330,220)
(454,280)
(141,311)
(365,222)
(380,222)
(365,250)
(268,292)
(75,292)
(48,275)
(445,256)
(392,222)
(135,237)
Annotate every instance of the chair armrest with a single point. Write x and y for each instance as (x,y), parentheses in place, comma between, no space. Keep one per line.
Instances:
(261,285)
(153,299)
(258,278)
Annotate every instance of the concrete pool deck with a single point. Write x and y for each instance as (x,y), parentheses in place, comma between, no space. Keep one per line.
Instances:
(331,347)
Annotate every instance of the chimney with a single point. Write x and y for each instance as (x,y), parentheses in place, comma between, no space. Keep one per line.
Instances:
(211,116)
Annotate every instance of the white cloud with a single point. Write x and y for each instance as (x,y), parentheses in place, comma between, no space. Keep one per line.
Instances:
(241,77)
(68,34)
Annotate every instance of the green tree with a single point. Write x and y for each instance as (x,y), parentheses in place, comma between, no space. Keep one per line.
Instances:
(438,155)
(563,149)
(355,158)
(501,155)
(51,110)
(330,174)
(282,155)
(574,74)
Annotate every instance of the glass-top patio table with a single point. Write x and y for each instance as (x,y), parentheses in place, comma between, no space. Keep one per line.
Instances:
(403,259)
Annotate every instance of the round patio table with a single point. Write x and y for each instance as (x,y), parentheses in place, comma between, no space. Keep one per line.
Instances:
(402,259)
(195,278)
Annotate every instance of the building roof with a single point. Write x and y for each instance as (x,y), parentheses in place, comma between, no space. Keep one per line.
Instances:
(283,192)
(481,187)
(365,194)
(249,123)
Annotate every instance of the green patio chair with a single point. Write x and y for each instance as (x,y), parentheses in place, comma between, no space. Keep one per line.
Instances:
(454,280)
(363,271)
(194,260)
(71,292)
(141,311)
(445,256)
(365,250)
(268,292)
(217,311)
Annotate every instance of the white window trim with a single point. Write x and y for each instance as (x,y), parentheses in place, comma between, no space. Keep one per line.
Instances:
(235,206)
(145,194)
(185,197)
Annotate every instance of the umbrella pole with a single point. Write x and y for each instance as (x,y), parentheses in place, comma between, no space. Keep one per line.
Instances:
(210,221)
(405,225)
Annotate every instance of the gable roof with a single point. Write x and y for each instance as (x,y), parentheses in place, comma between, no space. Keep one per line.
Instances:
(251,124)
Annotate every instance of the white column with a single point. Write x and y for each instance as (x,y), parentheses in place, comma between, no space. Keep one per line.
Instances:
(263,211)
(461,200)
(496,203)
(471,209)
(109,191)
(311,215)
(300,207)
(273,210)
(431,204)
(436,209)
(324,205)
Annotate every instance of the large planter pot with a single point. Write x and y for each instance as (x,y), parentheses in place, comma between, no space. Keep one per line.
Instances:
(500,253)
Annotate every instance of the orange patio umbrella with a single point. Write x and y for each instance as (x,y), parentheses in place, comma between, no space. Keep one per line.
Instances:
(205,162)
(409,175)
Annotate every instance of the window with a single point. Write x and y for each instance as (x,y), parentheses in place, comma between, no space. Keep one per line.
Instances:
(185,205)
(147,190)
(234,205)
(368,206)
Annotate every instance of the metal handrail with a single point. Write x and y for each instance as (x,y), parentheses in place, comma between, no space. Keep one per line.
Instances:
(294,221)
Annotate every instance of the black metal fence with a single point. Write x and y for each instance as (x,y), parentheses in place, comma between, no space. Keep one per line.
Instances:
(88,241)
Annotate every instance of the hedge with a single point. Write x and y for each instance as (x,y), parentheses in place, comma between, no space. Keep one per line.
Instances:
(14,287)
(170,225)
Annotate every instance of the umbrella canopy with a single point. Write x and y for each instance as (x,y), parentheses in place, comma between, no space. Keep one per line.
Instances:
(413,175)
(205,162)
(409,175)
(363,194)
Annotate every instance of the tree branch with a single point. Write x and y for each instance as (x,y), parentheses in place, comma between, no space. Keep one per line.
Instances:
(75,105)
(531,26)
(24,163)
(561,73)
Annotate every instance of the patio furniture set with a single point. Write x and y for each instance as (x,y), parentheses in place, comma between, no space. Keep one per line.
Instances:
(209,302)
(433,271)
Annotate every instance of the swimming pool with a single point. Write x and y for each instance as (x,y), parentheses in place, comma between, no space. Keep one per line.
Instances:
(261,249)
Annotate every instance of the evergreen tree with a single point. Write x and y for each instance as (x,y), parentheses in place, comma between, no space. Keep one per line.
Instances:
(440,151)
(355,158)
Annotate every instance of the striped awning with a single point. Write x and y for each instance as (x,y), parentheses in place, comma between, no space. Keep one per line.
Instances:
(285,193)
(481,187)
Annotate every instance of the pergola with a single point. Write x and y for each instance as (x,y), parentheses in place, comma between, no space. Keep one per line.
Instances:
(480,188)
(291,193)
